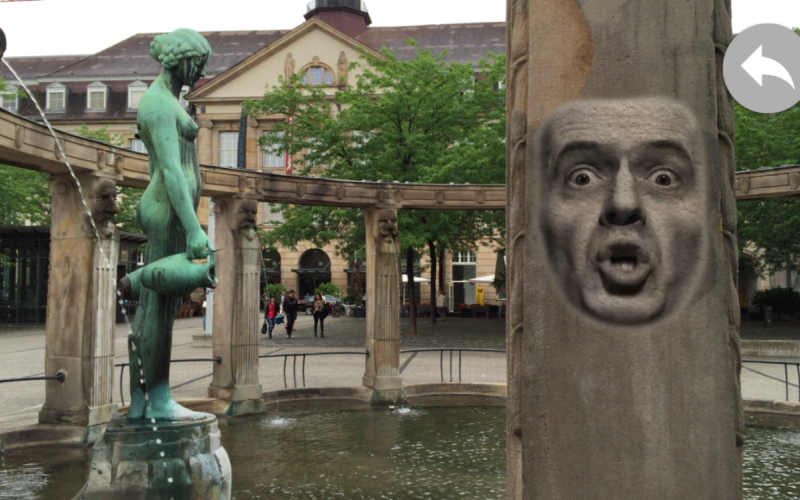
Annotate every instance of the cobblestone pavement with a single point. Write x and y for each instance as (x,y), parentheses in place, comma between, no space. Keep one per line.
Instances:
(22,354)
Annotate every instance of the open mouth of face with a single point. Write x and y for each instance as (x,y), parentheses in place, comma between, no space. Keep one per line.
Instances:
(624,268)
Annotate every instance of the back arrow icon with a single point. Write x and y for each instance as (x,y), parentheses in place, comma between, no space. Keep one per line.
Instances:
(757,66)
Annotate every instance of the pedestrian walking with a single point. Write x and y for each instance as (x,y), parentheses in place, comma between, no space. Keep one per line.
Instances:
(441,305)
(270,311)
(283,301)
(290,309)
(320,311)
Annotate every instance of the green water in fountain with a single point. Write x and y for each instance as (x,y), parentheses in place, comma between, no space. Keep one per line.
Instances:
(425,452)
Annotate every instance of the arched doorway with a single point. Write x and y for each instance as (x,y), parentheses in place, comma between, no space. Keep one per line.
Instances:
(315,268)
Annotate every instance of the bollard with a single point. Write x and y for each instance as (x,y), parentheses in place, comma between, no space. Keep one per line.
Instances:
(767,316)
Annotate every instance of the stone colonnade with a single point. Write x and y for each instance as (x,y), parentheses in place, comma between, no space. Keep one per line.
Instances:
(82,294)
(597,411)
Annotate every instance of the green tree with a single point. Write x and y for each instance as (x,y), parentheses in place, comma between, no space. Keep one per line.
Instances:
(274,290)
(127,197)
(418,120)
(26,193)
(770,228)
(329,289)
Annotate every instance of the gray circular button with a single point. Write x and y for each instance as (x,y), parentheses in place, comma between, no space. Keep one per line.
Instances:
(762,68)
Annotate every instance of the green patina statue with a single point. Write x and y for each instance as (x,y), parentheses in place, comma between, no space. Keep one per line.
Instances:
(168,215)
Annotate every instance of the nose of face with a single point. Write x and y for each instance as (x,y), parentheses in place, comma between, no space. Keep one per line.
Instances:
(623,206)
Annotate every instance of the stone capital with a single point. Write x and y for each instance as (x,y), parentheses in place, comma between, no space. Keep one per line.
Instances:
(252,123)
(205,123)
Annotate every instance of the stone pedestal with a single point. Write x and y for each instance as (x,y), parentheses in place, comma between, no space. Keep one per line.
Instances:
(81,303)
(382,373)
(597,410)
(236,298)
(159,461)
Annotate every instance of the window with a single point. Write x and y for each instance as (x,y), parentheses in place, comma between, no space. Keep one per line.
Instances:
(272,158)
(135,93)
(10,101)
(228,146)
(184,102)
(138,145)
(465,258)
(56,97)
(318,75)
(96,97)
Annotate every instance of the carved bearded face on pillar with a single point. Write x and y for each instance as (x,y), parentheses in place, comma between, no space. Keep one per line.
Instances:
(243,217)
(624,206)
(103,206)
(387,225)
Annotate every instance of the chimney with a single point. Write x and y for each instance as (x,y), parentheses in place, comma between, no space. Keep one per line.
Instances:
(348,16)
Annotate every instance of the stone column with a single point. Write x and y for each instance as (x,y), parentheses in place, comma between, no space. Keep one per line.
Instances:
(252,144)
(236,315)
(598,410)
(205,141)
(383,307)
(81,303)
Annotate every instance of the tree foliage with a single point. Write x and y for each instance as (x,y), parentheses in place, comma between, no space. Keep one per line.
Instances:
(783,300)
(414,121)
(26,193)
(769,230)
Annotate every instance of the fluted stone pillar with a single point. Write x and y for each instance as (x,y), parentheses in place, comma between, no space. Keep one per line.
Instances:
(648,409)
(252,144)
(236,299)
(81,303)
(383,307)
(205,141)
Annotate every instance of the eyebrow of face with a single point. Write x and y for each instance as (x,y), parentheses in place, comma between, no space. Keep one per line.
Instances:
(572,146)
(668,145)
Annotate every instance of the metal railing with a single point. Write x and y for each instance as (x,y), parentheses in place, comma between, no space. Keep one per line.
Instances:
(785,371)
(359,5)
(217,360)
(441,352)
(60,376)
(303,355)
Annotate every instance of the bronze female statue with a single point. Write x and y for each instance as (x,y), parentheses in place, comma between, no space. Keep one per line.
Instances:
(168,215)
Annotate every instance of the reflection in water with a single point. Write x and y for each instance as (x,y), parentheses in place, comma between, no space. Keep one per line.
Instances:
(405,453)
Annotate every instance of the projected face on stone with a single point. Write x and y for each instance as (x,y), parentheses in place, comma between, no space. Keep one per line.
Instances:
(623,206)
(103,205)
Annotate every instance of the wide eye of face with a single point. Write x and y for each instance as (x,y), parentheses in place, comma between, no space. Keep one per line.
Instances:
(664,178)
(582,177)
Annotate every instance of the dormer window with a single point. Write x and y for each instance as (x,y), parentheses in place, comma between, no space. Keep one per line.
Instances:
(96,95)
(57,97)
(318,75)
(9,100)
(135,93)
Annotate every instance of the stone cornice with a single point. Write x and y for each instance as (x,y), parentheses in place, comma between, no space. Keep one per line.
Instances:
(28,144)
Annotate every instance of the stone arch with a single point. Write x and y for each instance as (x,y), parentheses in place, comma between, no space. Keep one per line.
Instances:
(313,268)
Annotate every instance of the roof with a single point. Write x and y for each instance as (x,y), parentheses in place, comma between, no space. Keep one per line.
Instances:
(130,58)
(28,68)
(465,43)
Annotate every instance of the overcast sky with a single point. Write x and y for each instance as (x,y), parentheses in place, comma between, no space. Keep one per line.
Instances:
(58,27)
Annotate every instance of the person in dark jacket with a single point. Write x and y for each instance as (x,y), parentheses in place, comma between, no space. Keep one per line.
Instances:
(290,308)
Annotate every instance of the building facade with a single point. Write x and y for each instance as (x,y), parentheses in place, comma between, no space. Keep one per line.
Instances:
(103,90)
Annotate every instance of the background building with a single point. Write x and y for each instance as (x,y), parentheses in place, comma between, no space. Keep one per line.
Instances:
(104,89)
